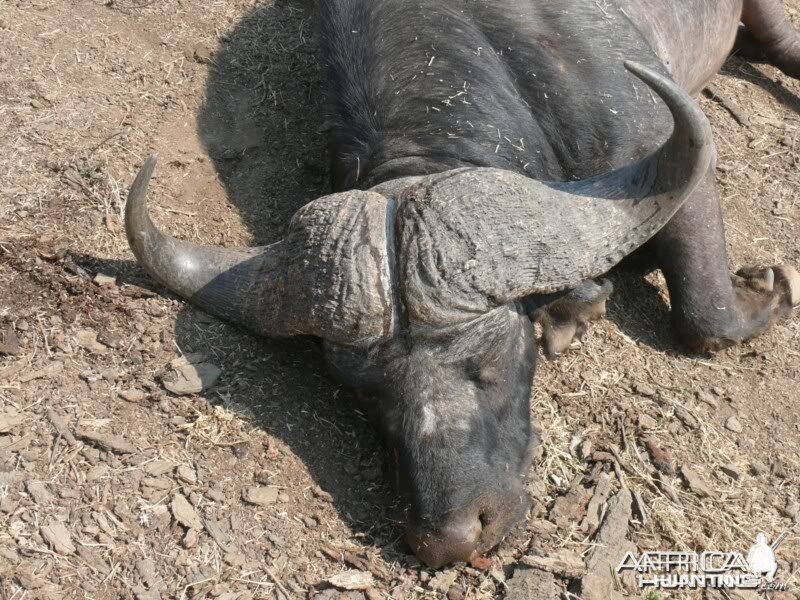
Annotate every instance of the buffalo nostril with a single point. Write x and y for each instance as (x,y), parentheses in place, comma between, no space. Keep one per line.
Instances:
(484,519)
(455,541)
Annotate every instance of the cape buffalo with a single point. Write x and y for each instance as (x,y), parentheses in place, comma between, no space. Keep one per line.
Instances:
(489,159)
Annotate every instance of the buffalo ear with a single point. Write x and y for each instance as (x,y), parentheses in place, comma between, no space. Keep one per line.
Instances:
(566,319)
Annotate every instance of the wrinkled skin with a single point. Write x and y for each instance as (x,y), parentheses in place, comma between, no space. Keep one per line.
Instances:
(458,419)
(491,158)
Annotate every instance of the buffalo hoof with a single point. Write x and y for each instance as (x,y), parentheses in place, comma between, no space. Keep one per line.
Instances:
(775,289)
(764,296)
(567,319)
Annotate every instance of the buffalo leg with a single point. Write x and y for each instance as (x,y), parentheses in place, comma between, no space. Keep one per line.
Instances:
(748,47)
(768,26)
(566,319)
(710,308)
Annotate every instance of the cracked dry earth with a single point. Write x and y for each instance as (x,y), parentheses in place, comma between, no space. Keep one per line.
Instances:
(150,451)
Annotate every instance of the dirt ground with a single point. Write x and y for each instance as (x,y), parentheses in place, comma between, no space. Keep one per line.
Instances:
(267,483)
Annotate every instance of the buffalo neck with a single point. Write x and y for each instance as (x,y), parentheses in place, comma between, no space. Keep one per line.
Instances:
(423,86)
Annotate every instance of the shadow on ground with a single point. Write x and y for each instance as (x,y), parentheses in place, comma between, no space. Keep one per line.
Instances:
(736,67)
(261,125)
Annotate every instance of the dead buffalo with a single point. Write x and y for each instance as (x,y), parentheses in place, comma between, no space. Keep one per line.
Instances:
(489,159)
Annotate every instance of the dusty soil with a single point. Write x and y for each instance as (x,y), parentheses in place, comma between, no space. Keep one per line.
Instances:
(267,483)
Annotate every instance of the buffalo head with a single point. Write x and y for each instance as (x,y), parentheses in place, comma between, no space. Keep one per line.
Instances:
(418,287)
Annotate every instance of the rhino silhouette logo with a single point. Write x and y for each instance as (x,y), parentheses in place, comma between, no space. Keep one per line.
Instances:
(761,557)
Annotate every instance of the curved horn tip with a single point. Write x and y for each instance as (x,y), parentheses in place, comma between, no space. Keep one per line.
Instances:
(646,73)
(150,164)
(139,185)
(681,104)
(661,83)
(634,66)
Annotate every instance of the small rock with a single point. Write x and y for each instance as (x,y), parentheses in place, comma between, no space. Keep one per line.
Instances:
(532,583)
(111,443)
(68,493)
(778,468)
(215,495)
(10,419)
(594,511)
(647,422)
(334,594)
(644,390)
(9,556)
(572,505)
(104,280)
(696,483)
(352,580)
(218,533)
(310,522)
(662,459)
(202,54)
(87,339)
(186,474)
(260,496)
(39,492)
(640,507)
(611,544)
(443,580)
(146,568)
(58,536)
(9,342)
(157,483)
(111,339)
(263,477)
(235,559)
(456,592)
(8,505)
(185,513)
(481,563)
(731,471)
(321,494)
(706,398)
(97,472)
(28,580)
(132,395)
(733,424)
(562,563)
(157,468)
(187,378)
(687,418)
(61,426)
(674,428)
(190,539)
(791,510)
(154,309)
(586,450)
(542,526)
